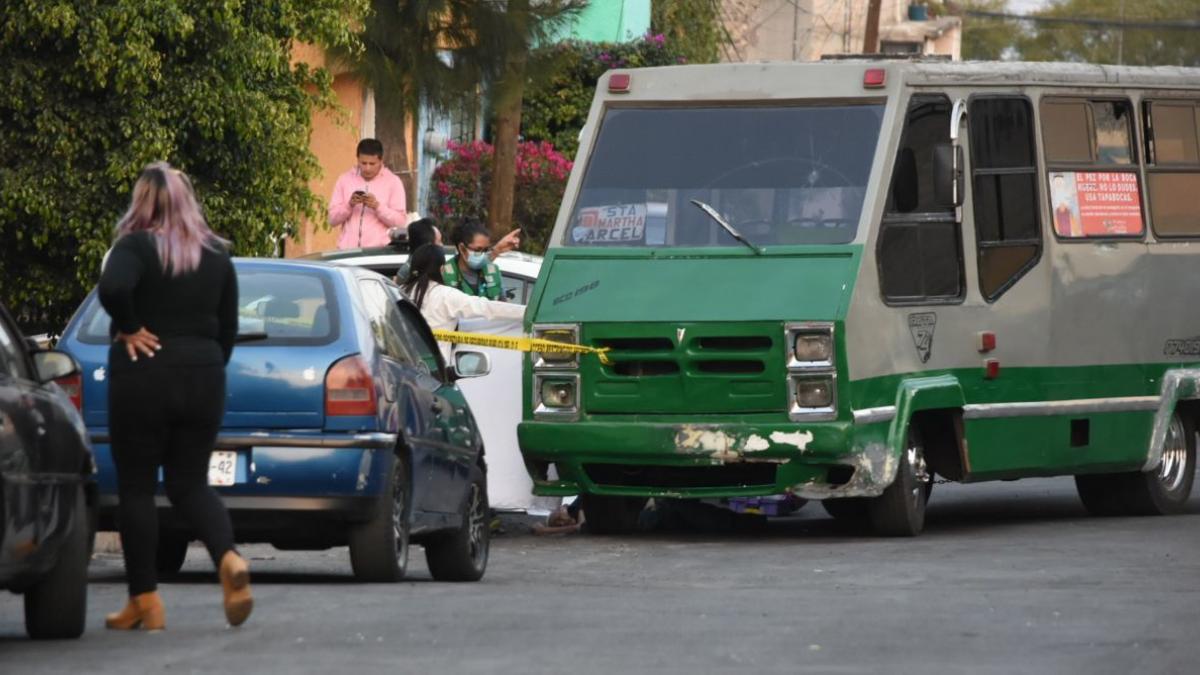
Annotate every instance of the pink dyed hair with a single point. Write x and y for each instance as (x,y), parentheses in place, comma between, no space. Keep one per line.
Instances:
(164,203)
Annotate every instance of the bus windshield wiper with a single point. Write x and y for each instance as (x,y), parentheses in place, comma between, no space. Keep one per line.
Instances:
(712,213)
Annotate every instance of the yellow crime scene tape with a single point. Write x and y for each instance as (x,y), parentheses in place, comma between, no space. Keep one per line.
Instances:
(523,344)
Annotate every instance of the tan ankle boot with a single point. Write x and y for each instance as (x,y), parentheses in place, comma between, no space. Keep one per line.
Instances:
(143,611)
(235,582)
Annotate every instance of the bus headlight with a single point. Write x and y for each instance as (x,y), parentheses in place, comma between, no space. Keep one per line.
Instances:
(813,397)
(566,333)
(814,392)
(556,395)
(811,344)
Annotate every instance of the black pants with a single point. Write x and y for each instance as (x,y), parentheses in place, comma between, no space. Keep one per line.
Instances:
(168,417)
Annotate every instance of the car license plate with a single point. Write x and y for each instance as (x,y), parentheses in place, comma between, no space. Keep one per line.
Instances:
(222,468)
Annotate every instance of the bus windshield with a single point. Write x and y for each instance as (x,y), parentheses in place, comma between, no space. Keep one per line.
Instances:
(790,174)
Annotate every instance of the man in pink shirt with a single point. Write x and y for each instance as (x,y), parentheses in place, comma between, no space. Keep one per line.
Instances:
(368,200)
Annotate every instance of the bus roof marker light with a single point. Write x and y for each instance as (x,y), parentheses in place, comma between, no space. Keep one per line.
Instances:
(874,78)
(620,83)
(991,369)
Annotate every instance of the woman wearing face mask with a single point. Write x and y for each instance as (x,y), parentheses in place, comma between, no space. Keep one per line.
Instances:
(442,305)
(472,270)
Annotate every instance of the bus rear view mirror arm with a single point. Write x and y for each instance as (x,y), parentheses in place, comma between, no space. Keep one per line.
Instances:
(948,175)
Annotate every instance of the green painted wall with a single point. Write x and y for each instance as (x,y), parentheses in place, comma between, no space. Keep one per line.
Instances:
(611,21)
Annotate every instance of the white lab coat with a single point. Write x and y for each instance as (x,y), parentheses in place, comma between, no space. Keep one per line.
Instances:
(445,306)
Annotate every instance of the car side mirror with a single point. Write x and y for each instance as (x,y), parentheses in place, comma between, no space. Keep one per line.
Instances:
(948,175)
(469,364)
(54,365)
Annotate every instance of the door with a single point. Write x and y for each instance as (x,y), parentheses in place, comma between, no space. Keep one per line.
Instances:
(452,417)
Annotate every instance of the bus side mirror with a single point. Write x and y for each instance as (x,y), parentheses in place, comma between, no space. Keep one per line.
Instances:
(948,175)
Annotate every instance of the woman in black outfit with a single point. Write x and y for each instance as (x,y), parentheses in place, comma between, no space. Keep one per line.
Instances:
(171,291)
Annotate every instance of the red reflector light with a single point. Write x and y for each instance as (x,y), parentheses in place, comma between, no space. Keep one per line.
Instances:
(73,386)
(987,342)
(619,83)
(991,369)
(874,78)
(349,388)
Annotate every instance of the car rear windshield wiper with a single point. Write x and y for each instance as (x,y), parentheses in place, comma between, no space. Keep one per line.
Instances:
(712,213)
(251,336)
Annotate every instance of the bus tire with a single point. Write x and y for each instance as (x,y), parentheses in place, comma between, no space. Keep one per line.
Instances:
(1160,491)
(611,515)
(849,510)
(900,510)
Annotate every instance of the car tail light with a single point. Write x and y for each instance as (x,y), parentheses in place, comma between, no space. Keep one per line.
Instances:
(73,386)
(349,388)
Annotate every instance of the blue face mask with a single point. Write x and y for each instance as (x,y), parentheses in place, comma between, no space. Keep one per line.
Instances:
(477,260)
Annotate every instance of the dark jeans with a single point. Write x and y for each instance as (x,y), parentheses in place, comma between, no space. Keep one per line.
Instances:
(168,417)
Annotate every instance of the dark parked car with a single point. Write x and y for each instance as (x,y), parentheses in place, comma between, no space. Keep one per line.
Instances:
(342,425)
(45,481)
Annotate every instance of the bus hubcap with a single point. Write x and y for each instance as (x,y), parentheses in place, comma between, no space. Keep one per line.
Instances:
(1173,469)
(916,463)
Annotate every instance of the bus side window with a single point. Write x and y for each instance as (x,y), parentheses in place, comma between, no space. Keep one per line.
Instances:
(1004,184)
(920,249)
(1173,174)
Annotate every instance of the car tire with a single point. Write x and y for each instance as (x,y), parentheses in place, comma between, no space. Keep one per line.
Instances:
(1161,491)
(611,515)
(900,510)
(849,510)
(379,547)
(56,606)
(462,555)
(170,553)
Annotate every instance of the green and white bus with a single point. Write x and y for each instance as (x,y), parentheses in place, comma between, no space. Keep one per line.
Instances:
(837,280)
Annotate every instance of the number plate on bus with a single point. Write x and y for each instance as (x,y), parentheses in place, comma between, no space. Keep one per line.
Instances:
(222,468)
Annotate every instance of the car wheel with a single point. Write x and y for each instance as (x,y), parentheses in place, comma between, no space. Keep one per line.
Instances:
(900,510)
(56,606)
(611,515)
(171,552)
(1160,491)
(379,547)
(462,555)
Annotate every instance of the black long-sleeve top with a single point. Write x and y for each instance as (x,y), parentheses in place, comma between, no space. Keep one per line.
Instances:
(194,315)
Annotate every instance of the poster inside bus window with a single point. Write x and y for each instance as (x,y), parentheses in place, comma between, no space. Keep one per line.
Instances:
(1095,204)
(627,224)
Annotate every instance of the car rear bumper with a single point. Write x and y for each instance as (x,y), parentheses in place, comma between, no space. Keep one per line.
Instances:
(311,475)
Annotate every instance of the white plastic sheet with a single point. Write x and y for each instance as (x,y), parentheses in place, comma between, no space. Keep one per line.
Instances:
(496,402)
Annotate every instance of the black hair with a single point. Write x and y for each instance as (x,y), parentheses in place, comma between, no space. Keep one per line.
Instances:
(467,230)
(421,232)
(370,146)
(424,269)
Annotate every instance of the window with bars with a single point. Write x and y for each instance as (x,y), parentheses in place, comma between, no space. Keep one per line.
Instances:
(1004,190)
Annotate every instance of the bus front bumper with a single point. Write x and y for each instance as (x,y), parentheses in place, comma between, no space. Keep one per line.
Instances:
(707,460)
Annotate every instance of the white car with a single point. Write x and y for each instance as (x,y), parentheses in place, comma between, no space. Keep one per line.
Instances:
(520,270)
(496,399)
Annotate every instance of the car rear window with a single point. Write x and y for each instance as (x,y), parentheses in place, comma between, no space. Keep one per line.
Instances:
(290,307)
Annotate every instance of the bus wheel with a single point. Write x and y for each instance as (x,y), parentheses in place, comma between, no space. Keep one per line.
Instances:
(1160,491)
(611,515)
(900,510)
(849,510)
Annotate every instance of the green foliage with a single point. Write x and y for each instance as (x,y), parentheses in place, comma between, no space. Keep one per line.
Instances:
(462,183)
(556,107)
(1110,44)
(693,26)
(986,38)
(92,91)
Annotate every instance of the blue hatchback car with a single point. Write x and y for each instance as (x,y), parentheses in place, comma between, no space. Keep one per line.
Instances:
(342,426)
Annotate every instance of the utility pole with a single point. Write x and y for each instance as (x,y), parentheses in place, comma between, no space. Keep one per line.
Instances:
(871,39)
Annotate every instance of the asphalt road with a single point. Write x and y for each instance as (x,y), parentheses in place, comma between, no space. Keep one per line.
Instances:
(1008,578)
